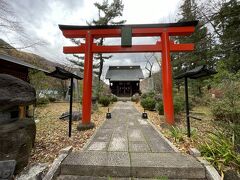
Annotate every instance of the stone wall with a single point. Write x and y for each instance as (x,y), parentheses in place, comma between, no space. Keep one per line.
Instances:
(154,83)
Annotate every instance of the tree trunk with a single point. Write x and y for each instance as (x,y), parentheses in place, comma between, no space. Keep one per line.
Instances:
(100,67)
(101,61)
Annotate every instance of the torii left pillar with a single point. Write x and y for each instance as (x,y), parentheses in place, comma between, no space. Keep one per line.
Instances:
(87,85)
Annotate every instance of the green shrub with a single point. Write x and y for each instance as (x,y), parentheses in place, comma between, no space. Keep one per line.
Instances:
(219,150)
(149,94)
(42,101)
(158,97)
(52,99)
(235,133)
(179,104)
(160,108)
(231,130)
(104,100)
(135,98)
(194,133)
(144,96)
(148,103)
(205,100)
(114,99)
(225,112)
(177,134)
(228,107)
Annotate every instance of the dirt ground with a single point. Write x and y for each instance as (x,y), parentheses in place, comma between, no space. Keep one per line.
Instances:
(52,133)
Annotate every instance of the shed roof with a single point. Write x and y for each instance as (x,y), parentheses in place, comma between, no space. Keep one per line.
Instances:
(198,72)
(19,62)
(124,73)
(61,73)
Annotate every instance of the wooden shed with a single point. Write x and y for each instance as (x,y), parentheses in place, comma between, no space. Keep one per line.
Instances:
(16,67)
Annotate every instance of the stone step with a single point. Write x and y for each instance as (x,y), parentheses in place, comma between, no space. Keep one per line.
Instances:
(140,165)
(71,177)
(124,99)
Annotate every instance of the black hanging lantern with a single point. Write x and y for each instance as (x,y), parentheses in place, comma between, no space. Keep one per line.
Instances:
(198,72)
(64,75)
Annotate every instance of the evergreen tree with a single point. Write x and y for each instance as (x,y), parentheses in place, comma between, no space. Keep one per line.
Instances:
(227,23)
(107,13)
(201,39)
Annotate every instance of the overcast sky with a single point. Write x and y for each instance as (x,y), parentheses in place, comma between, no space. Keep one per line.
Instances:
(40,19)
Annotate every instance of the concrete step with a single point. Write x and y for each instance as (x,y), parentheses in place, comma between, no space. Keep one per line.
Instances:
(139,165)
(124,99)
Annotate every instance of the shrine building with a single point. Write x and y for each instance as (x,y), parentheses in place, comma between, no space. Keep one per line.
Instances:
(124,81)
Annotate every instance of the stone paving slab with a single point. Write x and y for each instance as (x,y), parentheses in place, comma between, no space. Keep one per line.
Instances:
(158,145)
(98,146)
(92,163)
(118,144)
(135,135)
(138,146)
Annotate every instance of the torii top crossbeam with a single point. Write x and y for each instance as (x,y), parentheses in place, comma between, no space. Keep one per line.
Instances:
(126,32)
(137,30)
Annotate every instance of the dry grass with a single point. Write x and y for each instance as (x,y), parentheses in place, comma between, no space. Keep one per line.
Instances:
(201,128)
(52,133)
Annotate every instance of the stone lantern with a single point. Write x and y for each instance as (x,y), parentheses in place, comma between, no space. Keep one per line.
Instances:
(17,126)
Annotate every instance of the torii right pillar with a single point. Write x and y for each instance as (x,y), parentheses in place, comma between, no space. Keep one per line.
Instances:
(167,79)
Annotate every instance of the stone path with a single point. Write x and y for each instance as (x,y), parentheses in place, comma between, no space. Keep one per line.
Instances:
(127,132)
(128,146)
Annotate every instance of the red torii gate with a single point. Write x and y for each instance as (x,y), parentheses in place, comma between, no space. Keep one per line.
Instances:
(164,45)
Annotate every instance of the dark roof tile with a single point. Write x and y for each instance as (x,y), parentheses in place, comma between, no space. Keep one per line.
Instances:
(124,73)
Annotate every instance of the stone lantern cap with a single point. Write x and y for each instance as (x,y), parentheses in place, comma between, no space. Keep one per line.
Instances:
(15,92)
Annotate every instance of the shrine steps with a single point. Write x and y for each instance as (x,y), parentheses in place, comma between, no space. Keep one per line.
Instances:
(103,165)
(70,177)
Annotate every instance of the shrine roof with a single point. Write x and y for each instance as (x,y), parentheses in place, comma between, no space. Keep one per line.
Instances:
(124,73)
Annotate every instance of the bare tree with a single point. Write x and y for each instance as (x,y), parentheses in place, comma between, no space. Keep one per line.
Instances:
(8,20)
(157,59)
(149,64)
(9,24)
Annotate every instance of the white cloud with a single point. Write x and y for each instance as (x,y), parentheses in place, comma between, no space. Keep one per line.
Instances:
(146,12)
(41,18)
